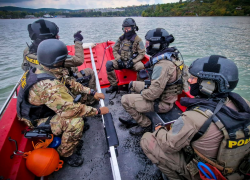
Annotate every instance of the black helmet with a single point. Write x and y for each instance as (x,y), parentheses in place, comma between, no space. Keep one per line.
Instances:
(51,52)
(222,71)
(130,22)
(158,39)
(42,29)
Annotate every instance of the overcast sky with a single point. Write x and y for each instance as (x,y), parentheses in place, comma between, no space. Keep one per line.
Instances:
(78,4)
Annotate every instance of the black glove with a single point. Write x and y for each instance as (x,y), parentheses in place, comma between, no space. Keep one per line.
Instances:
(121,64)
(148,64)
(130,64)
(78,36)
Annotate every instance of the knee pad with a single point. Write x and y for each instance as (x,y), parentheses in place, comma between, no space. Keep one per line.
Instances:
(109,66)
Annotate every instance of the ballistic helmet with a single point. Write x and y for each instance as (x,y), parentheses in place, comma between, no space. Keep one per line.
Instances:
(157,39)
(42,29)
(217,70)
(50,52)
(130,22)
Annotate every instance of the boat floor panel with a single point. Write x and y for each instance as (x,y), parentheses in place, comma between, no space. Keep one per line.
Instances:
(133,163)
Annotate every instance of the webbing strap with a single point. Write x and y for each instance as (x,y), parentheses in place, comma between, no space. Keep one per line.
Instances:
(207,123)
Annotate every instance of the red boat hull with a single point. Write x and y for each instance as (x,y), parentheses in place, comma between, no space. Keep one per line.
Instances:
(10,127)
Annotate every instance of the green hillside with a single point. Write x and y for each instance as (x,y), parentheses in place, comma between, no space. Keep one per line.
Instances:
(200,8)
(12,8)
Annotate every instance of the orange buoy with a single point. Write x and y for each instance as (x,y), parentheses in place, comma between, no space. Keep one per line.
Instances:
(43,161)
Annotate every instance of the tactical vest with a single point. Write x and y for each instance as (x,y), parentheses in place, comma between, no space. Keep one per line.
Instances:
(181,83)
(128,47)
(235,127)
(30,61)
(24,108)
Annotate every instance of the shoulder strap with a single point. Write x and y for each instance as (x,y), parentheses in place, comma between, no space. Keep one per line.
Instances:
(207,123)
(133,38)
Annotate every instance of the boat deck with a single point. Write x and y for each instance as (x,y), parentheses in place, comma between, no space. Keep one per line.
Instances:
(133,163)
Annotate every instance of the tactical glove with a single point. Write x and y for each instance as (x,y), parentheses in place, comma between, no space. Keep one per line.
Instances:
(121,64)
(99,96)
(148,64)
(78,36)
(130,64)
(103,110)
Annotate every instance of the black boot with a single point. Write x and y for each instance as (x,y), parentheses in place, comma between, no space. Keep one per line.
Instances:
(86,127)
(138,130)
(128,122)
(79,148)
(111,89)
(74,160)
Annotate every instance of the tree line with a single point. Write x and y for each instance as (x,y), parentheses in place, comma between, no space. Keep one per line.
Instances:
(129,11)
(200,8)
(186,8)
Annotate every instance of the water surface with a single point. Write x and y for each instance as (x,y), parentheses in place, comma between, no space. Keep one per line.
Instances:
(194,36)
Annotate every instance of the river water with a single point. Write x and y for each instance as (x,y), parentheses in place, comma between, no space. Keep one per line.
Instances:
(194,36)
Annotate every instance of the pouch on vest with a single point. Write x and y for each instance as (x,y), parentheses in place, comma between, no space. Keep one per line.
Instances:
(244,166)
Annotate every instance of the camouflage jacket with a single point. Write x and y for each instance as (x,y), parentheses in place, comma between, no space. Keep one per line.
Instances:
(55,95)
(62,74)
(30,59)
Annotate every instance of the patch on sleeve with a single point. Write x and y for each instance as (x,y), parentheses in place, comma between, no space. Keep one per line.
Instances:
(156,72)
(141,44)
(177,126)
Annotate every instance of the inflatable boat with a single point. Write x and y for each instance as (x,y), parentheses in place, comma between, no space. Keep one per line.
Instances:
(103,158)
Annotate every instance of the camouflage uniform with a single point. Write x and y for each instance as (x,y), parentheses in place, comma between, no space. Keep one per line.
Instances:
(164,72)
(30,59)
(121,50)
(71,64)
(68,120)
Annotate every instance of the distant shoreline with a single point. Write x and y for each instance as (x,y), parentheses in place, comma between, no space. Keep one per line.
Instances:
(124,17)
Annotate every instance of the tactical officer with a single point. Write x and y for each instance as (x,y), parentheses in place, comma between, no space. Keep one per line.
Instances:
(161,91)
(128,51)
(41,30)
(214,129)
(45,99)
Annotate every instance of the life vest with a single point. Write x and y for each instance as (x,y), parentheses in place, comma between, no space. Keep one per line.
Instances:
(128,47)
(176,87)
(24,108)
(234,125)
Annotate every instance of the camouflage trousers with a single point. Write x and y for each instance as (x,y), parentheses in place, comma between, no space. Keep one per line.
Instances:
(86,98)
(136,105)
(173,165)
(112,77)
(71,131)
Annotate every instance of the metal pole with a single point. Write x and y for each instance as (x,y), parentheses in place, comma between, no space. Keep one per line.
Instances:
(10,96)
(113,159)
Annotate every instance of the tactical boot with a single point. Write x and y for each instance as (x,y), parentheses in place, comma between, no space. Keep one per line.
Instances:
(138,130)
(129,122)
(86,127)
(111,89)
(79,148)
(74,160)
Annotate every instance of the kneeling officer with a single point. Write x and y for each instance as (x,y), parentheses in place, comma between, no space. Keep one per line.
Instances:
(43,98)
(161,91)
(215,129)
